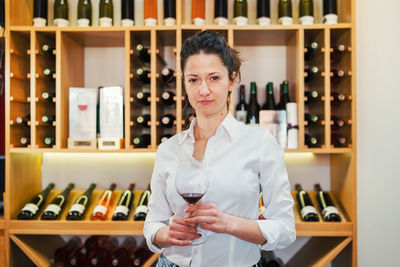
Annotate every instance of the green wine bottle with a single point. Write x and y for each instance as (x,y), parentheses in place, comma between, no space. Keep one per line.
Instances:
(285,12)
(253,112)
(106,13)
(306,12)
(61,13)
(84,13)
(240,12)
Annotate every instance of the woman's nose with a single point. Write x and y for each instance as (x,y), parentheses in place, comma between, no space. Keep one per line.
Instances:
(204,88)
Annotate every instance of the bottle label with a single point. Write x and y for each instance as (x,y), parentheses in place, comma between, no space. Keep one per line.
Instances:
(331,19)
(264,21)
(286,20)
(329,210)
(240,21)
(61,22)
(100,209)
(127,22)
(307,20)
(150,22)
(142,209)
(165,120)
(54,208)
(199,21)
(105,22)
(77,207)
(122,209)
(221,21)
(83,22)
(30,207)
(306,210)
(39,22)
(169,21)
(241,115)
(293,137)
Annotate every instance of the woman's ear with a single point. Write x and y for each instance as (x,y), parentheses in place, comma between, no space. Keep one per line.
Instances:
(232,81)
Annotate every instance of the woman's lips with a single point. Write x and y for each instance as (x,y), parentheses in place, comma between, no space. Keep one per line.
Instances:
(205,102)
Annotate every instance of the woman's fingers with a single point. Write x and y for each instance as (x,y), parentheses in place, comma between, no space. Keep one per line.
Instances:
(177,242)
(202,219)
(183,235)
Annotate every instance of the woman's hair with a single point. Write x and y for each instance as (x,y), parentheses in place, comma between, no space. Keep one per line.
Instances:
(211,42)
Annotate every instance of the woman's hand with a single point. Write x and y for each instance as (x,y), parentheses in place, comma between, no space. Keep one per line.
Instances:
(178,229)
(209,217)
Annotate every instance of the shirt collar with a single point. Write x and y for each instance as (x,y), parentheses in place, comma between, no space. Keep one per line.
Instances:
(229,124)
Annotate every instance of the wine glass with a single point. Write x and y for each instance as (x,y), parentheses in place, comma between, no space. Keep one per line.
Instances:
(191,182)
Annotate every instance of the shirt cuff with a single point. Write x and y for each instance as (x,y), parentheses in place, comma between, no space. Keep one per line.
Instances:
(153,228)
(272,232)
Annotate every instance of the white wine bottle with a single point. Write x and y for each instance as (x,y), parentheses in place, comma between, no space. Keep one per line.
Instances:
(60,10)
(106,15)
(306,10)
(240,12)
(84,13)
(285,15)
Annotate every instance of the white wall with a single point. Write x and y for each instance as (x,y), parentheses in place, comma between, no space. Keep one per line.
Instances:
(378,88)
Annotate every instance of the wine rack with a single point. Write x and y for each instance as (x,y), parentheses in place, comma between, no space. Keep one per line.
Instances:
(25,84)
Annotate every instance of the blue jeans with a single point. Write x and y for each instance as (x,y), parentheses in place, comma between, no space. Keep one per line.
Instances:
(163,262)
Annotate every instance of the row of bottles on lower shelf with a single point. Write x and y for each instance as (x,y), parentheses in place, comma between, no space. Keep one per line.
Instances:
(101,251)
(80,205)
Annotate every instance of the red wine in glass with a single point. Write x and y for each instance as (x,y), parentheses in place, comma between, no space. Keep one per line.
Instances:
(192,198)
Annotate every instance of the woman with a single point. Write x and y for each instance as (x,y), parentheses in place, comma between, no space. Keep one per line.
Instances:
(241,160)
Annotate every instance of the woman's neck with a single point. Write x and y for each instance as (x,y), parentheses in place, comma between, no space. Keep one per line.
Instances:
(207,126)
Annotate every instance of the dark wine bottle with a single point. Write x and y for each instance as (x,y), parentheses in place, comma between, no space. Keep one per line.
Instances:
(123,207)
(143,98)
(285,15)
(54,209)
(337,123)
(306,12)
(84,13)
(312,96)
(141,141)
(25,140)
(126,252)
(284,96)
(241,107)
(78,209)
(167,121)
(2,14)
(311,118)
(23,120)
(30,210)
(106,14)
(311,73)
(311,141)
(338,98)
(270,99)
(143,75)
(103,205)
(48,119)
(253,111)
(330,12)
(329,212)
(49,140)
(141,256)
(240,12)
(46,96)
(64,253)
(143,120)
(169,12)
(307,210)
(336,76)
(337,53)
(48,49)
(101,256)
(60,13)
(311,50)
(165,137)
(142,209)
(221,12)
(48,72)
(127,11)
(143,53)
(40,13)
(168,75)
(338,140)
(167,98)
(263,12)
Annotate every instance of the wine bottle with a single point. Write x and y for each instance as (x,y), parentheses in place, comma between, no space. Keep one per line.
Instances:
(312,96)
(150,12)
(48,119)
(93,242)
(241,107)
(284,96)
(143,75)
(62,254)
(330,12)
(337,123)
(311,118)
(25,140)
(143,53)
(2,14)
(307,211)
(167,98)
(143,98)
(23,120)
(337,53)
(48,49)
(167,121)
(101,255)
(311,141)
(47,72)
(263,12)
(46,96)
(311,73)
(221,12)
(84,13)
(126,251)
(285,15)
(306,12)
(103,205)
(127,11)
(39,13)
(106,14)
(124,204)
(168,75)
(338,98)
(169,12)
(270,99)
(60,12)
(165,137)
(54,209)
(143,120)
(49,141)
(78,209)
(310,51)
(329,212)
(142,209)
(141,141)
(269,259)
(141,256)
(240,12)
(253,111)
(338,140)
(198,12)
(336,76)
(30,210)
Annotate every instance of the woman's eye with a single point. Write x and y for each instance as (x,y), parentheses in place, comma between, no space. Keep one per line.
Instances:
(214,78)
(192,80)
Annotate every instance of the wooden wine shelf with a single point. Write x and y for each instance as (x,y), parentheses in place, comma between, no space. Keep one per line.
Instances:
(2,226)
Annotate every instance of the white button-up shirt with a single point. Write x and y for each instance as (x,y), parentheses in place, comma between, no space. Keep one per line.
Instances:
(241,160)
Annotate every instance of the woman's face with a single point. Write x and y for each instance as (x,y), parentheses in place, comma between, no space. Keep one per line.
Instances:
(207,84)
